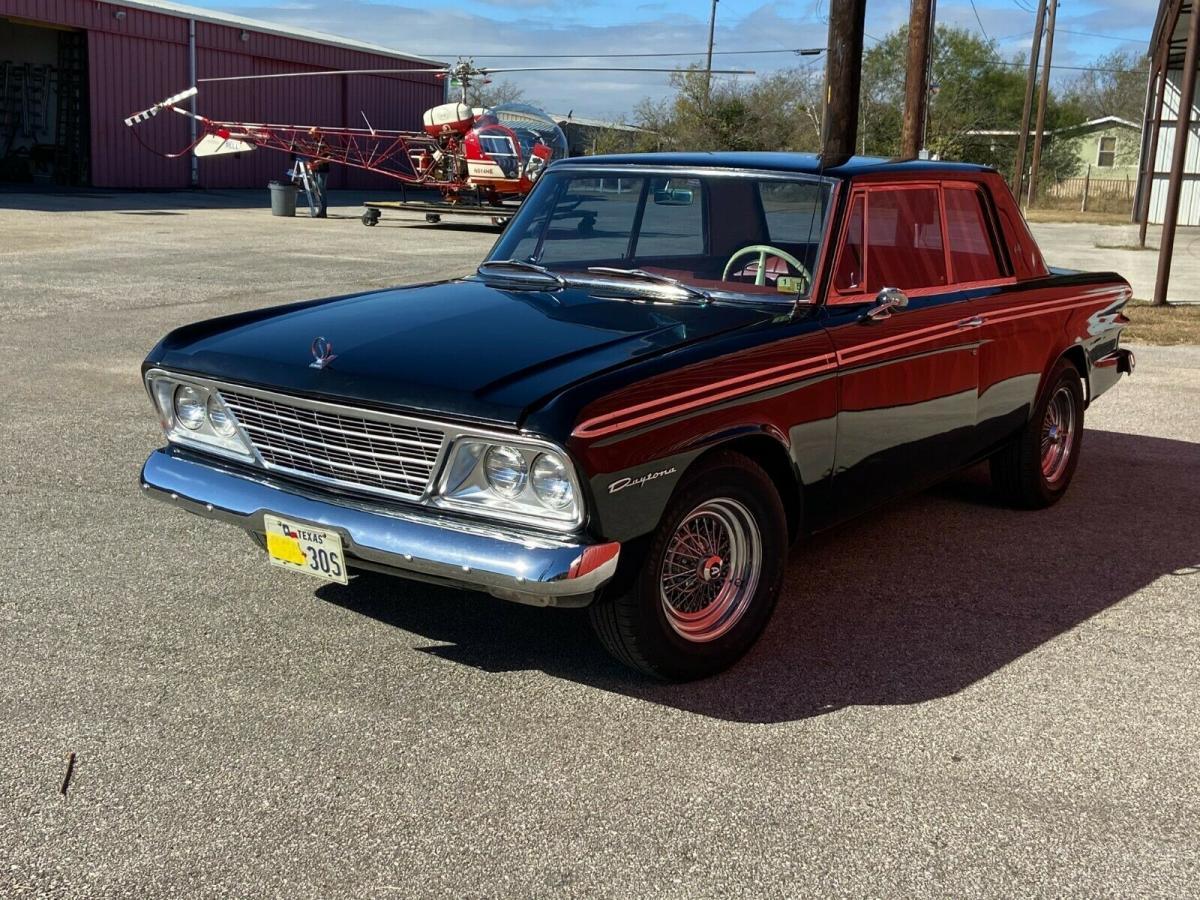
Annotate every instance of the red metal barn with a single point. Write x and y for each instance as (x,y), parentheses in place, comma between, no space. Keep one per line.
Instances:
(71,70)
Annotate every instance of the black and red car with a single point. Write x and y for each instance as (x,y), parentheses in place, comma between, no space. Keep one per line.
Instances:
(668,369)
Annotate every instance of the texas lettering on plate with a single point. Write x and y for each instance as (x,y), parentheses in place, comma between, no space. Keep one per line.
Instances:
(305,548)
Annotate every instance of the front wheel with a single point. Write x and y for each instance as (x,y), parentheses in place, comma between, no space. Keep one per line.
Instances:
(1035,469)
(710,579)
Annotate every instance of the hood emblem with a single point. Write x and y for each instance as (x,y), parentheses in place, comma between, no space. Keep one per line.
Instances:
(323,355)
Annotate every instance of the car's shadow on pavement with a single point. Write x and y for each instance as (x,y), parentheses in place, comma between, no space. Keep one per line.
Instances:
(913,602)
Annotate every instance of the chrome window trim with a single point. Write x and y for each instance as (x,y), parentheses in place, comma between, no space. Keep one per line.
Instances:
(452,433)
(631,169)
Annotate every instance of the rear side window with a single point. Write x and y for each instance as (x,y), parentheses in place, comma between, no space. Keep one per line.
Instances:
(972,250)
(904,240)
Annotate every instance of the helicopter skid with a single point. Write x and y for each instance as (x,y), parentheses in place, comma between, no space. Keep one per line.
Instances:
(433,211)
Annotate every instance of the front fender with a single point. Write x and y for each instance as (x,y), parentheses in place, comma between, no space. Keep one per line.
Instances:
(630,502)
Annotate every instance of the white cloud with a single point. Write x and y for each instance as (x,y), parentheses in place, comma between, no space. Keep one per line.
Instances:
(431,31)
(625,26)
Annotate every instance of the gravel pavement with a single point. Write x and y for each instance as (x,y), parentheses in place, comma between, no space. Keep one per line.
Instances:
(953,699)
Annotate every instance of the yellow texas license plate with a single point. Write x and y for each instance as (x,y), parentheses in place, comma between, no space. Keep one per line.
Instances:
(305,548)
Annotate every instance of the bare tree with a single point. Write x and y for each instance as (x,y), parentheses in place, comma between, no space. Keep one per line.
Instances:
(1116,86)
(487,94)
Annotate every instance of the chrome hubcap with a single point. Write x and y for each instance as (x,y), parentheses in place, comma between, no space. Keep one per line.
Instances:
(1058,429)
(710,570)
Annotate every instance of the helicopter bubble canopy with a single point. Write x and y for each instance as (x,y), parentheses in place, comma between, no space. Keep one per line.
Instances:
(531,125)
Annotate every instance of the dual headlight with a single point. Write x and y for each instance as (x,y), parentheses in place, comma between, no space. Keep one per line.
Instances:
(194,415)
(517,481)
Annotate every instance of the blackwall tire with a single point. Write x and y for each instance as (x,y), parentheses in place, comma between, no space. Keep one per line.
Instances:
(1036,468)
(709,579)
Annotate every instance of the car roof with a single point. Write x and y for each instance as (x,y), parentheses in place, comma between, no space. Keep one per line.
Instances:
(804,163)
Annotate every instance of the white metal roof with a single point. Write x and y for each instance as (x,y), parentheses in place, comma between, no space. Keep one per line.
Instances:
(594,123)
(303,34)
(1082,126)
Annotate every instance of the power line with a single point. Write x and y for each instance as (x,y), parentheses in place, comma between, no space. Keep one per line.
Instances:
(796,51)
(1004,62)
(1107,37)
(979,22)
(1080,68)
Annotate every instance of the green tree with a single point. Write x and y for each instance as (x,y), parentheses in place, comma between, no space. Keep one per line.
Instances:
(974,109)
(973,92)
(776,112)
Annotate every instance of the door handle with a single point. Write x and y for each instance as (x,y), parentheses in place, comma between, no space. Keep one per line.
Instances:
(973,322)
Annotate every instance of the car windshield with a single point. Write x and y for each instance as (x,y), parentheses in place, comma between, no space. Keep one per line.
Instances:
(719,233)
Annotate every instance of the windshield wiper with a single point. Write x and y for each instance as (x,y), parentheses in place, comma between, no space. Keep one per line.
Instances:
(642,275)
(523,266)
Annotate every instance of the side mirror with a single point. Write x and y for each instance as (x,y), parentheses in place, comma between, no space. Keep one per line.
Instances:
(886,301)
(673,197)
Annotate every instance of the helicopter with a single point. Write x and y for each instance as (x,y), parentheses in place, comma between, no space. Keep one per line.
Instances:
(485,156)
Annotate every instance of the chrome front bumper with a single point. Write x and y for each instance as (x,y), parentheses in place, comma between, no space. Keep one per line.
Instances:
(523,566)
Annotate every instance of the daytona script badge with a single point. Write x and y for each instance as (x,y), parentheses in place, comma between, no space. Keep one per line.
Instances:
(621,483)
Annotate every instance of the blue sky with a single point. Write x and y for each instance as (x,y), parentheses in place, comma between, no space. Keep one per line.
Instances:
(1086,30)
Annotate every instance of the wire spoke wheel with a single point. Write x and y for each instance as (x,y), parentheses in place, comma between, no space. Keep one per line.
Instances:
(1058,432)
(710,570)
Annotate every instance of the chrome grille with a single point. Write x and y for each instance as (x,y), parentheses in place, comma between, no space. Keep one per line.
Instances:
(370,453)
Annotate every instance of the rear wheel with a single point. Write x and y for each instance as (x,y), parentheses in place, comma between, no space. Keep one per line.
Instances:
(709,580)
(1035,469)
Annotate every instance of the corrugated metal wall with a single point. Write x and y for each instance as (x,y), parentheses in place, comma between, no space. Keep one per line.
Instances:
(1189,197)
(141,58)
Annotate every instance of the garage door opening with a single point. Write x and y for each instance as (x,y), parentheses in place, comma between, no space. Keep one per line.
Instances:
(44,137)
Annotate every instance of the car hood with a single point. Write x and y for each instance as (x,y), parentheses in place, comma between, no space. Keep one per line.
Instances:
(463,349)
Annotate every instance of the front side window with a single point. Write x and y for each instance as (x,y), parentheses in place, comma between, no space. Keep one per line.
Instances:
(904,239)
(720,232)
(848,279)
(896,237)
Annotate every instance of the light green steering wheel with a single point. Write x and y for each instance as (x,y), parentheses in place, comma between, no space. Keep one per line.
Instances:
(763,251)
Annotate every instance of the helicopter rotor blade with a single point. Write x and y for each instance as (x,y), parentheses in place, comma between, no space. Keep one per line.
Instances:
(491,71)
(453,71)
(442,71)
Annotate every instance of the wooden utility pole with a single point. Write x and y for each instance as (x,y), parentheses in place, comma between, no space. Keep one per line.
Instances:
(843,77)
(1023,135)
(1187,98)
(1158,77)
(1043,99)
(916,80)
(712,29)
